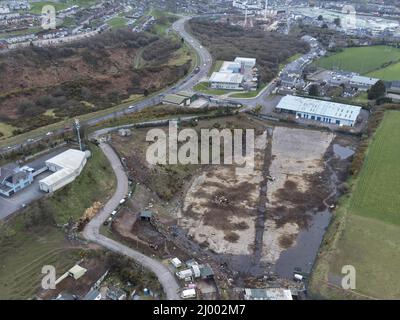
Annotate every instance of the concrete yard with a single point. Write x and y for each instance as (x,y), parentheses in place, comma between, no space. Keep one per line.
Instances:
(10,205)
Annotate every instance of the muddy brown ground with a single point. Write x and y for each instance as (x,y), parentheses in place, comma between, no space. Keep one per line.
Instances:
(245,222)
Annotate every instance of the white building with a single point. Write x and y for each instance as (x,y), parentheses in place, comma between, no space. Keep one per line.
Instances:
(226,81)
(362,83)
(319,110)
(66,167)
(248,62)
(268,294)
(188,293)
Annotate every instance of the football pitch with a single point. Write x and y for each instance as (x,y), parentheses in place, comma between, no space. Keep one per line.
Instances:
(363,60)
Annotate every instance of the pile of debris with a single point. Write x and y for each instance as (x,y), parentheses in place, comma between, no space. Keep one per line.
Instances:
(221,200)
(89,214)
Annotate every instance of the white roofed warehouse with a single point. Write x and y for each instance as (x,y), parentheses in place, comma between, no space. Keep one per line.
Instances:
(320,110)
(66,167)
(226,81)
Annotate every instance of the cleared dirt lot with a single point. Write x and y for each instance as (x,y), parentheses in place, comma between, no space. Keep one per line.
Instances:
(269,219)
(296,167)
(219,209)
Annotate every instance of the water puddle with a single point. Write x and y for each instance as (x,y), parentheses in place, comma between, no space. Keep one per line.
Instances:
(302,255)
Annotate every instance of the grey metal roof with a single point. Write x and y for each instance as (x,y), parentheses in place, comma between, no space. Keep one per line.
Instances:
(319,107)
(146,214)
(226,77)
(174,98)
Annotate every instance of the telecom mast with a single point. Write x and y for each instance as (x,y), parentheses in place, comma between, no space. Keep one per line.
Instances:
(78,127)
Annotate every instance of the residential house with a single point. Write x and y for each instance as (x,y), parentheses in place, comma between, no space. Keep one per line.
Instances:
(13,179)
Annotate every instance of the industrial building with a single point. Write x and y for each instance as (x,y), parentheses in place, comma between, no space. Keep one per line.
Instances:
(362,83)
(182,98)
(240,74)
(66,167)
(226,81)
(247,62)
(13,179)
(319,110)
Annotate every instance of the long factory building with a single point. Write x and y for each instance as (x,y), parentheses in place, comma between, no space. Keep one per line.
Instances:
(320,110)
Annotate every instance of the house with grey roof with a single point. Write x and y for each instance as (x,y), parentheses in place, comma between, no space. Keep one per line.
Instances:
(13,179)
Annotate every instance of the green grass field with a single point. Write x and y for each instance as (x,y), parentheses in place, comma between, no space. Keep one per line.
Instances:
(24,251)
(36,7)
(390,73)
(249,94)
(360,59)
(366,230)
(117,22)
(204,88)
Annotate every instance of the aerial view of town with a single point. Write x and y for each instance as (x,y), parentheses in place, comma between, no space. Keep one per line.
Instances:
(200,150)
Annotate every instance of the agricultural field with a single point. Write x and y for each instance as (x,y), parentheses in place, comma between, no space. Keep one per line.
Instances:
(365,232)
(363,60)
(30,239)
(390,73)
(36,6)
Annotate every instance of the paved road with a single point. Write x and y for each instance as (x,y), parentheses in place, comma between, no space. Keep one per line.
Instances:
(91,231)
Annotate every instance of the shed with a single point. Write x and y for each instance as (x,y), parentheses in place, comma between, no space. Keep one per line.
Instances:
(187,273)
(77,272)
(146,215)
(268,294)
(176,262)
(206,271)
(188,293)
(196,271)
(176,100)
(114,293)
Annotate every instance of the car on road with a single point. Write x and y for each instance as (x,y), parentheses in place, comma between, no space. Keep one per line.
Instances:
(131,107)
(49,133)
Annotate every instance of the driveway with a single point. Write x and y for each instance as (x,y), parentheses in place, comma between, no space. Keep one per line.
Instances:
(31,193)
(91,231)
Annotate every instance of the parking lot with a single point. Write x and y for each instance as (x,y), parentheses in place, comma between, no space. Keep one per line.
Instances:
(32,192)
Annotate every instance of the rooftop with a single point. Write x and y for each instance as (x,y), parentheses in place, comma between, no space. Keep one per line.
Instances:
(319,107)
(250,60)
(186,94)
(229,66)
(364,80)
(174,98)
(68,162)
(225,77)
(268,294)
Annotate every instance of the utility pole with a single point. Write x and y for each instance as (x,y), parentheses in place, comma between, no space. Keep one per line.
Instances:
(78,127)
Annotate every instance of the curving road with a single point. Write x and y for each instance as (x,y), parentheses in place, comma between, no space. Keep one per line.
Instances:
(92,230)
